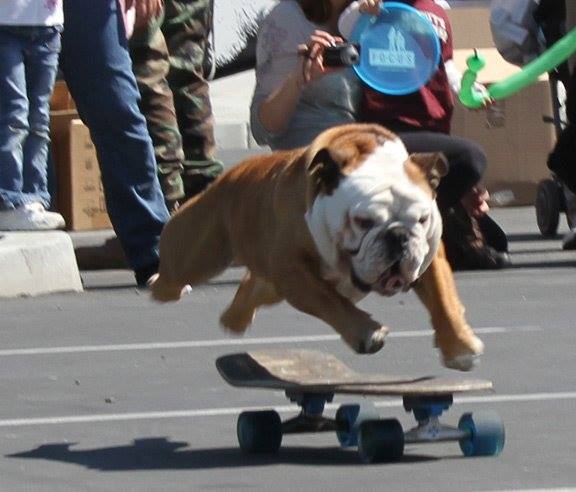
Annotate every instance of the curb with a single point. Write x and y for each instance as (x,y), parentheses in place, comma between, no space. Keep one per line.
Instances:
(34,263)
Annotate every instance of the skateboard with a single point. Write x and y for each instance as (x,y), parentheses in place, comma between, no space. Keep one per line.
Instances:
(312,378)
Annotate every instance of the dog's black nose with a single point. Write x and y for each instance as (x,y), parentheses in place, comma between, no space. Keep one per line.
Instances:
(396,241)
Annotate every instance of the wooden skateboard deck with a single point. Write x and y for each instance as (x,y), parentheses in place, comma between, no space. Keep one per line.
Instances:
(310,370)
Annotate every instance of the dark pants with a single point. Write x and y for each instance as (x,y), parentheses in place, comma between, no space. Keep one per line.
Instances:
(98,71)
(562,160)
(466,161)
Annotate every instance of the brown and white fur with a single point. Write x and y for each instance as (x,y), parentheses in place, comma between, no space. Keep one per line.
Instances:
(320,227)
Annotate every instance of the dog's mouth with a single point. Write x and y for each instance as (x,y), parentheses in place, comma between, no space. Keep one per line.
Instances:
(391,281)
(388,283)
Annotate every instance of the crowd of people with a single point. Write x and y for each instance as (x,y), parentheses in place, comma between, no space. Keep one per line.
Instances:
(95,59)
(298,97)
(138,69)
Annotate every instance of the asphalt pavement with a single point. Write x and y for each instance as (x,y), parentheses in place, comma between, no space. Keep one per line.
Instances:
(106,390)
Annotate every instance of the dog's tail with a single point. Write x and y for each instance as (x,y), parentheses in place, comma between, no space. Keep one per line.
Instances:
(163,291)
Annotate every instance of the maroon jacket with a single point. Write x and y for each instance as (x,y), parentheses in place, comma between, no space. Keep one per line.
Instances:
(429,108)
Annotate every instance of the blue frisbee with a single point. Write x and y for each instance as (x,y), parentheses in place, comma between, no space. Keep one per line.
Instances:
(400,50)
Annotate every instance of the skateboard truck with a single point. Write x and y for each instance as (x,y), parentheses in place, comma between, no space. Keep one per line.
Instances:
(427,411)
(311,418)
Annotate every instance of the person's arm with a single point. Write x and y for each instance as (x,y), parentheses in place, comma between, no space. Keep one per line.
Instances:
(137,13)
(276,110)
(146,10)
(351,14)
(454,76)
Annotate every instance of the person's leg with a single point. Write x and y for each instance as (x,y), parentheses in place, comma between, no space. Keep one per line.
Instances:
(13,118)
(561,160)
(466,162)
(41,67)
(467,247)
(150,63)
(28,56)
(187,28)
(98,71)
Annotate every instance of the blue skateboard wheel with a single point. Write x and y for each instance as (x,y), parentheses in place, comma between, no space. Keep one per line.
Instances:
(486,434)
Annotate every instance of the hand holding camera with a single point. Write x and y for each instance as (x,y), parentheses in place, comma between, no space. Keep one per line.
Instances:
(342,55)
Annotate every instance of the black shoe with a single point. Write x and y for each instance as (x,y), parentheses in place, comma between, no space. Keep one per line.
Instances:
(143,274)
(484,258)
(466,248)
(493,234)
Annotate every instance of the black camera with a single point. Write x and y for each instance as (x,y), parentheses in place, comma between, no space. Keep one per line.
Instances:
(342,55)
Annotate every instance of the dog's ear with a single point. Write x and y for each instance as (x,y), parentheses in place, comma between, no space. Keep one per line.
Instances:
(324,172)
(434,165)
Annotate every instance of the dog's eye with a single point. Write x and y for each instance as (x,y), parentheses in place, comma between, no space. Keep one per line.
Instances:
(364,223)
(423,219)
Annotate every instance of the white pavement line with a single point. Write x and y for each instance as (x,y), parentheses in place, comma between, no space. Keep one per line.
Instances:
(231,342)
(217,412)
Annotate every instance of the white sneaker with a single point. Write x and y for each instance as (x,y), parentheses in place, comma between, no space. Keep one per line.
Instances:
(30,217)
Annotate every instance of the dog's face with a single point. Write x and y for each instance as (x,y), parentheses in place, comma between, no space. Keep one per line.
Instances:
(372,211)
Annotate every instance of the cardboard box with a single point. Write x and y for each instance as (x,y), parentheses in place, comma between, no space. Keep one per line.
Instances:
(471,26)
(80,195)
(512,132)
(61,98)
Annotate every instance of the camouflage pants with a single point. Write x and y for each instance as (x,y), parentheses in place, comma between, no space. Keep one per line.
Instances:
(168,60)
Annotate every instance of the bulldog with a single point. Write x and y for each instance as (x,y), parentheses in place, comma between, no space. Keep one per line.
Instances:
(321,227)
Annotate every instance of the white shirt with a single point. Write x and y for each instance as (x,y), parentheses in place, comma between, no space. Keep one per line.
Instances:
(31,12)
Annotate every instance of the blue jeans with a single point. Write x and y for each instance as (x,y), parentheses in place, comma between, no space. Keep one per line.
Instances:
(28,65)
(98,70)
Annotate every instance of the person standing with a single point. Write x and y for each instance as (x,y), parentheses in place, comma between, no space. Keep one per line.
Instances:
(171,61)
(561,159)
(98,71)
(29,47)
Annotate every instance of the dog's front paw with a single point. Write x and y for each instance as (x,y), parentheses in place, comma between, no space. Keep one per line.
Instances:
(462,355)
(237,321)
(371,342)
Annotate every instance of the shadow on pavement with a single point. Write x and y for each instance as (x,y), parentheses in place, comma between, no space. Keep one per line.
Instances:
(531,237)
(158,453)
(541,264)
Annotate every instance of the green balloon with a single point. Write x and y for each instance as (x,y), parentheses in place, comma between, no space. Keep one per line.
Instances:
(547,61)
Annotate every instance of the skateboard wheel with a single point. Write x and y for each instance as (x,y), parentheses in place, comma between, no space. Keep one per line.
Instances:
(259,432)
(548,207)
(486,434)
(381,440)
(349,418)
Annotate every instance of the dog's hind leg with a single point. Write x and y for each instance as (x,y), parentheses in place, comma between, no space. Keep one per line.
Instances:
(194,247)
(252,293)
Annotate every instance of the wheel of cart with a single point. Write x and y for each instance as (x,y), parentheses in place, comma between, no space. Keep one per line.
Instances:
(553,199)
(548,206)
